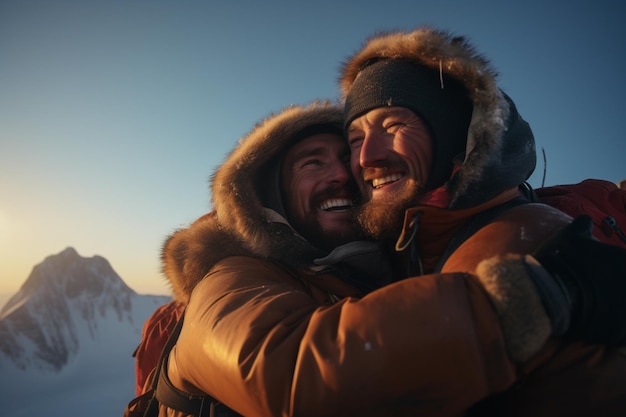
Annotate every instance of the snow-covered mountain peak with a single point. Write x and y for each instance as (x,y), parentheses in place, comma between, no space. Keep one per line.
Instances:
(64,304)
(67,338)
(67,275)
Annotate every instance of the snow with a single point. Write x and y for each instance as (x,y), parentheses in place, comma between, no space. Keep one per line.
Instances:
(95,330)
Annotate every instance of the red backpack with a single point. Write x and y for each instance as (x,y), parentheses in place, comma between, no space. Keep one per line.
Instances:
(156,331)
(602,200)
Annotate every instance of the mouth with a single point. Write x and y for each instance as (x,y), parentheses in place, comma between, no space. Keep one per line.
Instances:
(387,179)
(336,204)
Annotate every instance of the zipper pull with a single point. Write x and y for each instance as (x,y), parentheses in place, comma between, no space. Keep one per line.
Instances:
(609,226)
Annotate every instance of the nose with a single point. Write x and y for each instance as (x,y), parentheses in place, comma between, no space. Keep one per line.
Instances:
(372,151)
(339,172)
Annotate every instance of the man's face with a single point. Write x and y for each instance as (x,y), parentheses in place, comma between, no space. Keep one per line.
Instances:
(391,155)
(319,190)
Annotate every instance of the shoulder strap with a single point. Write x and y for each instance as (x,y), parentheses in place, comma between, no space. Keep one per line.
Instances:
(152,410)
(475,224)
(167,394)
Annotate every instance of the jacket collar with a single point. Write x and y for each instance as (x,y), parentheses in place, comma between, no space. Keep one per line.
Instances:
(432,228)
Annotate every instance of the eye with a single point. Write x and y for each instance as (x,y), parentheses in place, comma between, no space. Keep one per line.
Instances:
(393,126)
(311,162)
(354,141)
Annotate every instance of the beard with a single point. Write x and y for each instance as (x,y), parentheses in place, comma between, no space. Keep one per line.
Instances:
(328,239)
(383,219)
(313,231)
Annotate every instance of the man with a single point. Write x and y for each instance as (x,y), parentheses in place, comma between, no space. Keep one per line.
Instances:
(291,329)
(436,145)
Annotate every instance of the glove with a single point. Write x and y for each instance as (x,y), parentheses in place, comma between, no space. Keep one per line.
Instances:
(592,276)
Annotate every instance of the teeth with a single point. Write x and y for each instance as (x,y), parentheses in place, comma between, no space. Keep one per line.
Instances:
(384,180)
(336,202)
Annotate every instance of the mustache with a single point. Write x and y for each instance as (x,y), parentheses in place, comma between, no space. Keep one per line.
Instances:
(367,173)
(338,191)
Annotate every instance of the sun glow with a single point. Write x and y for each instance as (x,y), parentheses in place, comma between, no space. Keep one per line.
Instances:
(4,226)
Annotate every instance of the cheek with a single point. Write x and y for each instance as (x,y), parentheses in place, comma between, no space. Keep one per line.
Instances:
(419,152)
(355,164)
(420,161)
(357,173)
(426,158)
(302,192)
(295,195)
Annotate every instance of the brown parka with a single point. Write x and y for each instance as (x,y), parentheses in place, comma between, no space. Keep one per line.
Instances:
(276,330)
(269,331)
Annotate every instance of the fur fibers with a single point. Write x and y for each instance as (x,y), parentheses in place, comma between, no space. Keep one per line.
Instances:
(239,224)
(188,254)
(500,150)
(235,193)
(524,321)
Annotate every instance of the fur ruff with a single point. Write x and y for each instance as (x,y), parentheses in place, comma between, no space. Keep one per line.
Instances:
(494,161)
(239,224)
(524,320)
(188,254)
(236,195)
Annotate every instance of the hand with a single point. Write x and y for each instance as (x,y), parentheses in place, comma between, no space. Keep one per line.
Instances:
(593,276)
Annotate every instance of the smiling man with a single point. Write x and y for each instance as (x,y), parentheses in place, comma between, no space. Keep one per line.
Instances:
(318,189)
(441,156)
(394,171)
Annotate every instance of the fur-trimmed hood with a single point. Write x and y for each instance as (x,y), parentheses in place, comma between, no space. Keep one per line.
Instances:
(242,222)
(247,203)
(500,151)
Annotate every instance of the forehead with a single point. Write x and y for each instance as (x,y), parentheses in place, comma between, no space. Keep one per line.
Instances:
(378,114)
(318,144)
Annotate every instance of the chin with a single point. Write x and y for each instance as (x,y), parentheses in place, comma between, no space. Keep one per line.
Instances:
(343,235)
(383,215)
(380,220)
(327,235)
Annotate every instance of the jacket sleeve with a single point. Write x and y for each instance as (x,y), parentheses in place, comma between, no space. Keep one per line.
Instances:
(254,339)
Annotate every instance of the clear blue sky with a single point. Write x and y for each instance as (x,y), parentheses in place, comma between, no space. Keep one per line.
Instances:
(113,114)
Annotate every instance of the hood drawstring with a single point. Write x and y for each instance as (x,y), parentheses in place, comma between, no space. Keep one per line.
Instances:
(405,238)
(441,74)
(413,262)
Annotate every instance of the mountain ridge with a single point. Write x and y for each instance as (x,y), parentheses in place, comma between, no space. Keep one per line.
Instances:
(72,327)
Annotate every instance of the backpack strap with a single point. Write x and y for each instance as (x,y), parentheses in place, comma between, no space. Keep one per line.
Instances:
(167,394)
(152,409)
(477,222)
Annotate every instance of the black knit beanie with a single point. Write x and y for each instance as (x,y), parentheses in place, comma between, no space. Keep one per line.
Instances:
(442,103)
